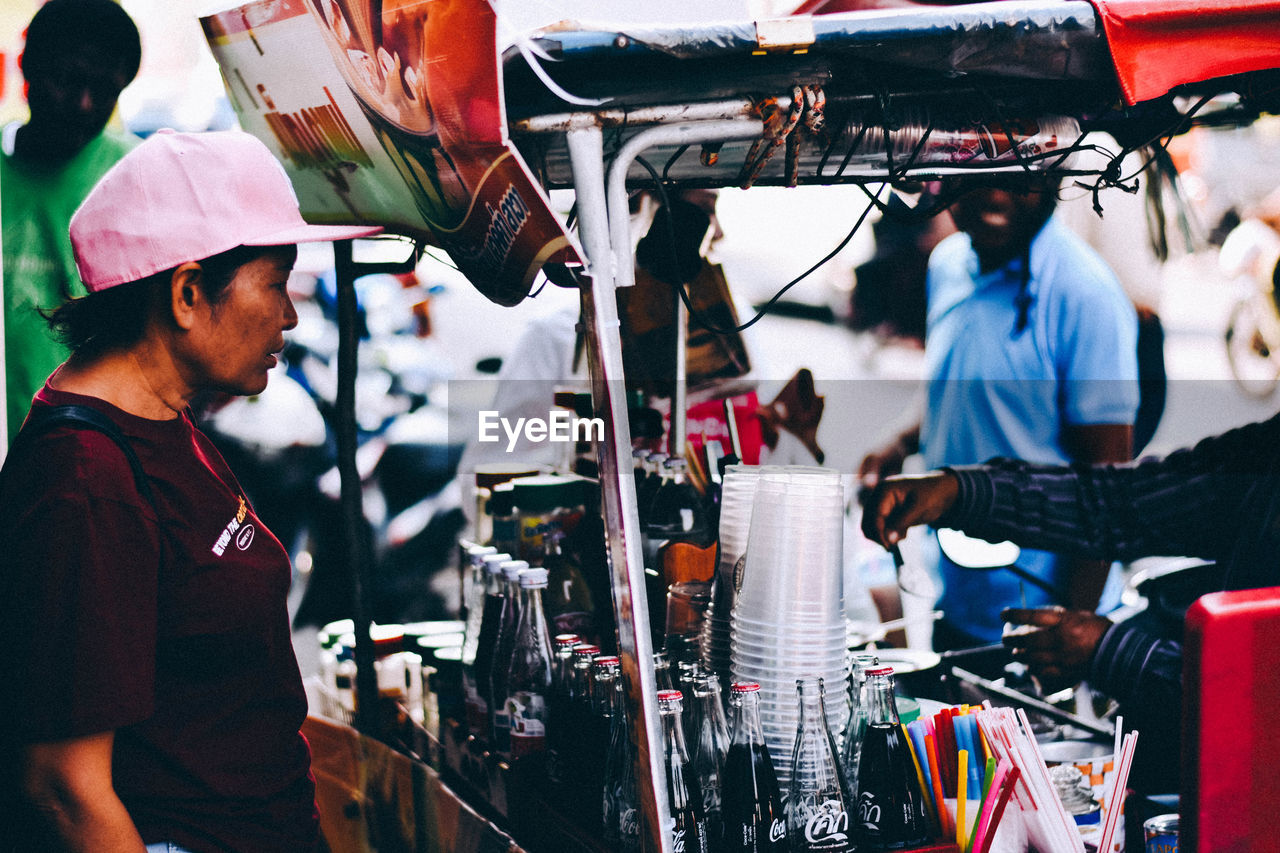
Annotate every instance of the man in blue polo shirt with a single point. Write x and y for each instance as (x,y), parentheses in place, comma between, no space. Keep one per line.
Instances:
(1030,353)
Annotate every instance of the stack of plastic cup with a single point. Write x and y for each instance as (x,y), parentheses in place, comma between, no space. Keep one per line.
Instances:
(736,496)
(788,616)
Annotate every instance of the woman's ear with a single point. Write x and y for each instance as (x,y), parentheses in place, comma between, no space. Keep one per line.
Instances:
(186,298)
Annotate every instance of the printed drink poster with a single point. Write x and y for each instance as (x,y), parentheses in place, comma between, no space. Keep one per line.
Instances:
(390,112)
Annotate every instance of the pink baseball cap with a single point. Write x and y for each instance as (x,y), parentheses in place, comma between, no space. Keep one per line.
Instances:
(181,197)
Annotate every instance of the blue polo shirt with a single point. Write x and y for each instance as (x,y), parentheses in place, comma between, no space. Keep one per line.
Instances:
(997,390)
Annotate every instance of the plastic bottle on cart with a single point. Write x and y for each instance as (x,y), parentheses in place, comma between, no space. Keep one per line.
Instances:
(473,597)
(495,592)
(545,504)
(751,806)
(506,524)
(710,746)
(621,799)
(559,733)
(529,677)
(818,809)
(891,813)
(500,725)
(688,827)
(677,513)
(851,740)
(569,604)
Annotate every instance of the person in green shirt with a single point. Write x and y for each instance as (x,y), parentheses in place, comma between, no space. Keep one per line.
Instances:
(79,56)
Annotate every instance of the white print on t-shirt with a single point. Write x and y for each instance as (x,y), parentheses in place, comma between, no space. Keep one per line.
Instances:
(242,541)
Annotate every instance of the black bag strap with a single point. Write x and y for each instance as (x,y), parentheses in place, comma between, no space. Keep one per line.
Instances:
(43,418)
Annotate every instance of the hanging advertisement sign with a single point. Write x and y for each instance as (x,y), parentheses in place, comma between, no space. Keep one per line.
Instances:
(390,112)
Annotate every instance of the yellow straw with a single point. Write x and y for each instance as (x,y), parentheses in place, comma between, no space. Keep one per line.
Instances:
(924,789)
(962,784)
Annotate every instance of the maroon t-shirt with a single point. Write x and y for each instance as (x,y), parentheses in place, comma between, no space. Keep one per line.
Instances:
(174,634)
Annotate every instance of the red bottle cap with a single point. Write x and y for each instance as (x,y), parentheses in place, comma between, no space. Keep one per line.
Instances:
(745,687)
(670,696)
(606,660)
(883,669)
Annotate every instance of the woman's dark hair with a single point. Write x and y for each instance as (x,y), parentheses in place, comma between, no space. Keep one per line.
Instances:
(62,25)
(115,318)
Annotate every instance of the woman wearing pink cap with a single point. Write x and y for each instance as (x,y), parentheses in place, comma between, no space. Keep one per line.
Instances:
(153,698)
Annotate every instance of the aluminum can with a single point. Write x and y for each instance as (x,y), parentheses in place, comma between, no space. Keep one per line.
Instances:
(1161,834)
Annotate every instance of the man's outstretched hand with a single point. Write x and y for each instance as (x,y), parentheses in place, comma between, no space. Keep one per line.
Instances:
(898,503)
(1057,643)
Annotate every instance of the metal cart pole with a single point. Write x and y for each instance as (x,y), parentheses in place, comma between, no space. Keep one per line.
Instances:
(605,224)
(357,547)
(617,485)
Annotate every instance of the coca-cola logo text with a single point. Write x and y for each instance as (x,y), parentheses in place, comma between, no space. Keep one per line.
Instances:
(830,821)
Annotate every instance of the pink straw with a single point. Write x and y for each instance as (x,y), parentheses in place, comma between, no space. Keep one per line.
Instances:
(989,806)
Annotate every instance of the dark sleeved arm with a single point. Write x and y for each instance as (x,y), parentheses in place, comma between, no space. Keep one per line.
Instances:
(1136,667)
(1186,504)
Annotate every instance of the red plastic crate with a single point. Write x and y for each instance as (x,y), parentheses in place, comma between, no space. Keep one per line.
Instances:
(1231,745)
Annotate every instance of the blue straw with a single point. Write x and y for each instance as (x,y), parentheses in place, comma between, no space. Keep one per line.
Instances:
(969,724)
(915,730)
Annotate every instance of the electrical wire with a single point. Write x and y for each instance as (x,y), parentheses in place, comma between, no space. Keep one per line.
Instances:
(764,309)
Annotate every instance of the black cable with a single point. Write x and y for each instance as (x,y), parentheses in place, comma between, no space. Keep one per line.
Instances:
(764,309)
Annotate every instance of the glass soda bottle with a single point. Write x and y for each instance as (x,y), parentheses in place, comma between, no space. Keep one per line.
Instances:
(609,688)
(751,808)
(500,725)
(559,726)
(818,808)
(851,742)
(710,746)
(621,797)
(891,812)
(576,762)
(688,827)
(529,678)
(594,735)
(495,596)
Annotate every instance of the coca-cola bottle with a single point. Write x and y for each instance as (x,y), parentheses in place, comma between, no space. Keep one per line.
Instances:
(559,726)
(529,676)
(495,597)
(710,746)
(751,808)
(688,827)
(594,735)
(851,742)
(819,805)
(891,812)
(500,725)
(577,761)
(609,685)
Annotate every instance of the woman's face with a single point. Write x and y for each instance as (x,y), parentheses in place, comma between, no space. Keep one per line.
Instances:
(235,343)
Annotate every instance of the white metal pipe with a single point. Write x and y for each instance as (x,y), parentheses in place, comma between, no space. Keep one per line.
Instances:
(617,484)
(694,133)
(666,114)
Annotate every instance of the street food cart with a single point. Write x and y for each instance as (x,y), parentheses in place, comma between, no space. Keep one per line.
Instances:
(403,114)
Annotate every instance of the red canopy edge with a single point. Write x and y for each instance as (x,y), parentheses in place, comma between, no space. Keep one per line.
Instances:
(1157,45)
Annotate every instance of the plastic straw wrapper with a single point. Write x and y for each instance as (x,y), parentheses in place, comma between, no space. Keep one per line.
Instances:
(1111,821)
